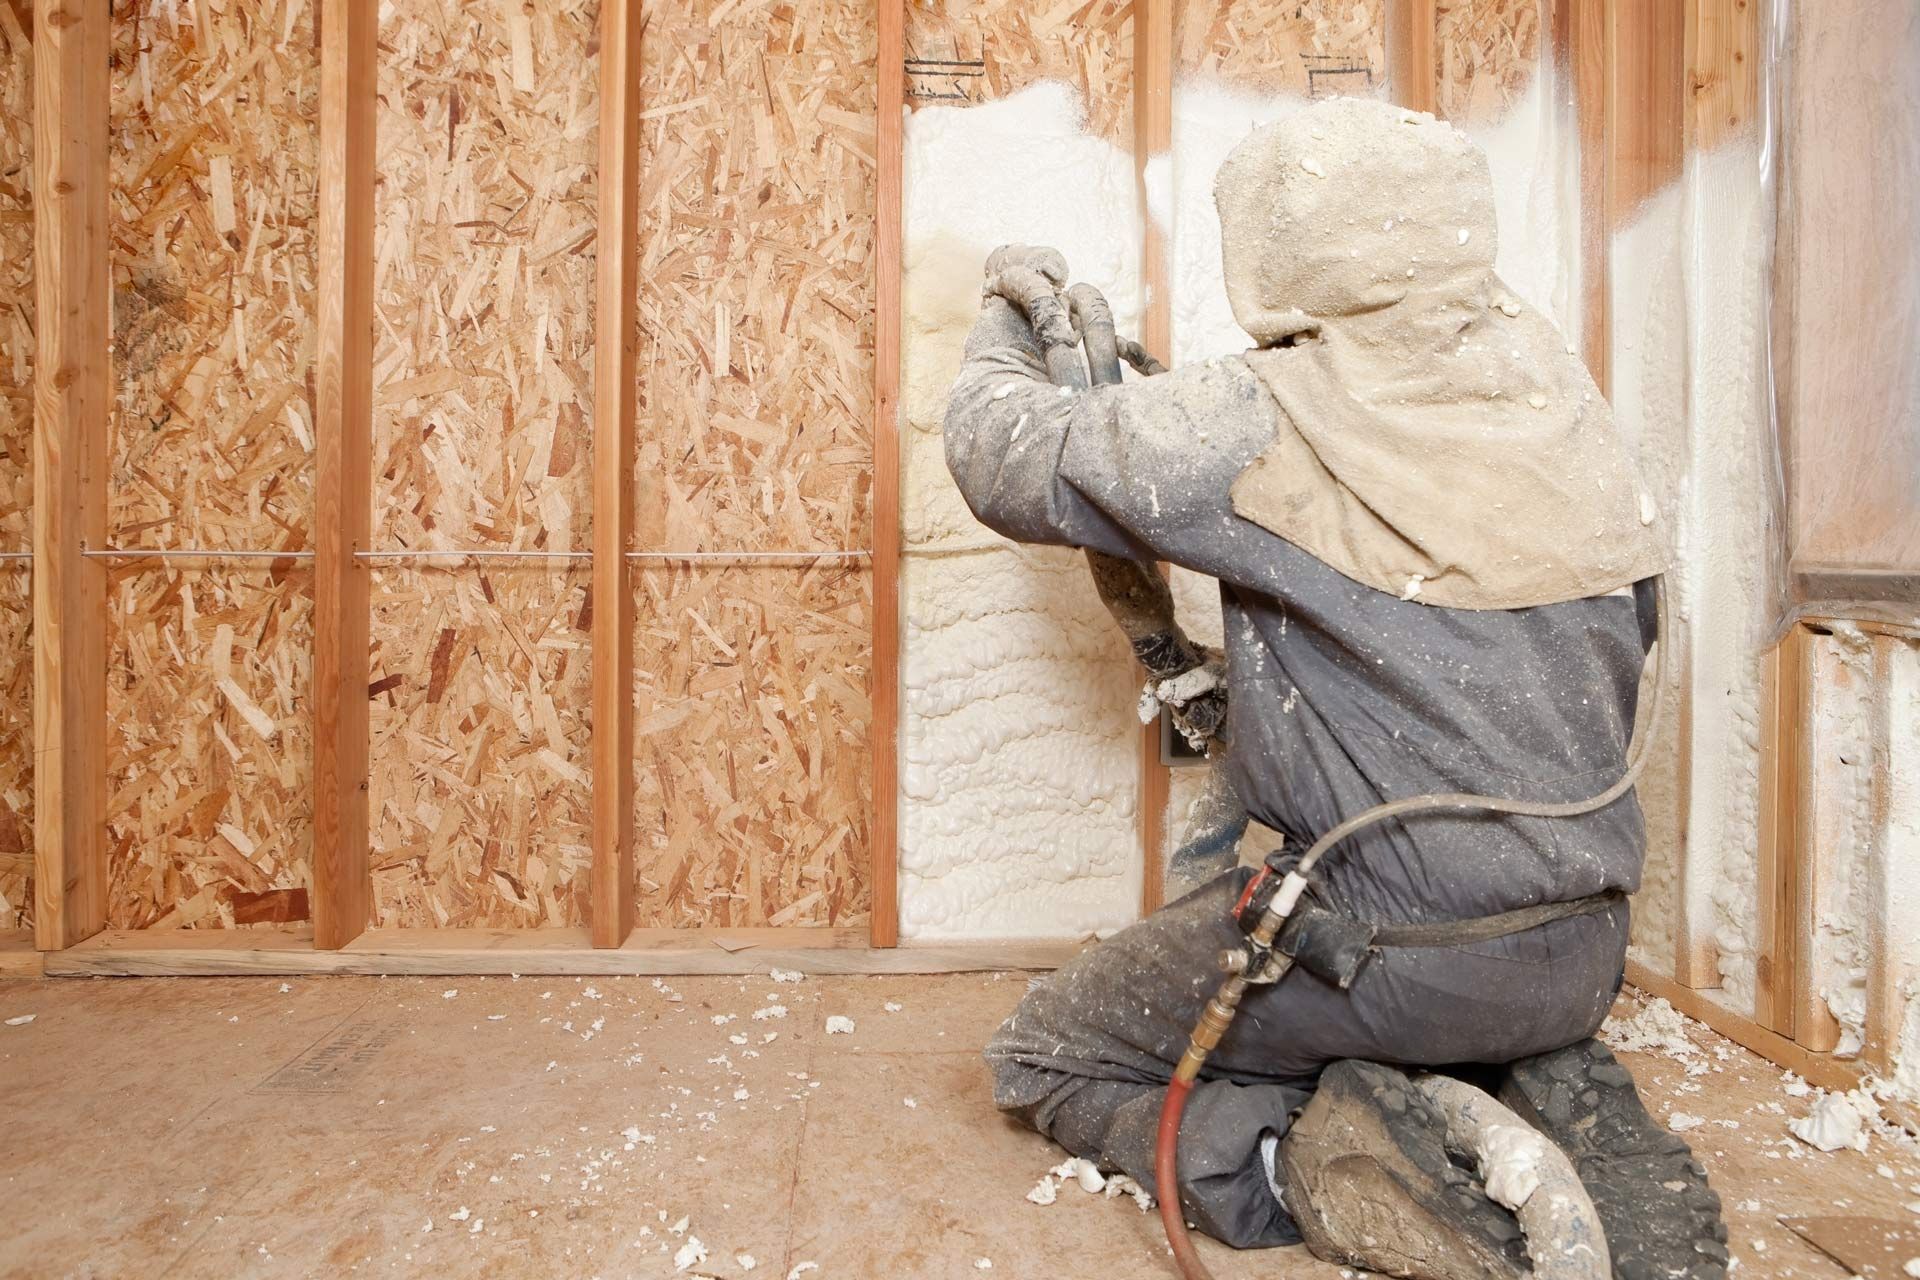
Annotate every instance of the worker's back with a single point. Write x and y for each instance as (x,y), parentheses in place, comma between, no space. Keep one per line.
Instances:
(1343,696)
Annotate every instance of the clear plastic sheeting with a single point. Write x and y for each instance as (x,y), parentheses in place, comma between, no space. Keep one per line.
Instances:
(1765,355)
(1846,311)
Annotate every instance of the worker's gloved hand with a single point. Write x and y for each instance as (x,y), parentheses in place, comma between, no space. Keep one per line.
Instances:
(1050,263)
(1030,277)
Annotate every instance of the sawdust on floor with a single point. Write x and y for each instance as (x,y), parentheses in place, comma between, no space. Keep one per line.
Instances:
(602,1126)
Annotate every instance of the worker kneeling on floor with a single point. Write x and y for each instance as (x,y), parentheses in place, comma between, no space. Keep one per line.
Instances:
(1438,572)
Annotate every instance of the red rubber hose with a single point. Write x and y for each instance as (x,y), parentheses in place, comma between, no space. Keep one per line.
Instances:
(1166,1173)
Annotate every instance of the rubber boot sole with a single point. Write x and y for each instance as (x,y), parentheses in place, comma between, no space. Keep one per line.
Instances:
(1661,1218)
(1370,1185)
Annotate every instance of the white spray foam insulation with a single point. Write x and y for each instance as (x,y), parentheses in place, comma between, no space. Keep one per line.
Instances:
(1901,845)
(1019,777)
(1689,306)
(1648,397)
(1209,120)
(1847,907)
(1533,149)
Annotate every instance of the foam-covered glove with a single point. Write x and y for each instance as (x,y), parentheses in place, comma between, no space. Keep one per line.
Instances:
(1030,277)
(1049,262)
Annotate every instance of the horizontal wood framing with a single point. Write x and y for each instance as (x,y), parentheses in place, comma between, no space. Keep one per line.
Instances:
(18,958)
(1818,1069)
(243,952)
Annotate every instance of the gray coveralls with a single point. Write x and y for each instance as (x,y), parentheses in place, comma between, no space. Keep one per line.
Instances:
(1341,696)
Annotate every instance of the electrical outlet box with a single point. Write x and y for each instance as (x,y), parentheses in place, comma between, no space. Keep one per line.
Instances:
(1175,753)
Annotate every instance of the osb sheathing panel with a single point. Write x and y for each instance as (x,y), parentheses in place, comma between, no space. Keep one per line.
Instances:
(16,463)
(212,223)
(1488,52)
(754,433)
(751,732)
(1315,48)
(969,51)
(209,811)
(483,355)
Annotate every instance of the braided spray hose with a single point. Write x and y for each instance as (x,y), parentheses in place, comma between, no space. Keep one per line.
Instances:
(1261,964)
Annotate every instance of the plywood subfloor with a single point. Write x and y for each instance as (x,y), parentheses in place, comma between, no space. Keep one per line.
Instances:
(334,1126)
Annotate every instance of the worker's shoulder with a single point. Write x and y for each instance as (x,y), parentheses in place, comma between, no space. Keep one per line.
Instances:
(1216,408)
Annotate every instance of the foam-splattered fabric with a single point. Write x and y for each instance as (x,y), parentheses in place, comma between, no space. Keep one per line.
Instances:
(1086,1056)
(1343,696)
(1436,439)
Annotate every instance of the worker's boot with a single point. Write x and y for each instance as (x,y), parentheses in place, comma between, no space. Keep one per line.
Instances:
(1661,1218)
(1370,1184)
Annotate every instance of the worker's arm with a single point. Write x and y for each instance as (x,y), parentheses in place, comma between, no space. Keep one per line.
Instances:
(1141,470)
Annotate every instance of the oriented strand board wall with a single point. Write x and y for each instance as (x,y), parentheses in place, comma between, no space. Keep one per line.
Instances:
(211,220)
(754,433)
(483,346)
(16,464)
(1488,53)
(1313,47)
(974,51)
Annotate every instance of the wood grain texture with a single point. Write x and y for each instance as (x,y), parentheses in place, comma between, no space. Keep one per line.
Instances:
(214,150)
(1725,44)
(1413,68)
(16,463)
(485,257)
(1153,135)
(555,951)
(890,86)
(1646,58)
(209,812)
(1580,48)
(969,51)
(18,956)
(756,302)
(343,482)
(1312,48)
(72,400)
(615,345)
(1486,54)
(1847,296)
(1783,836)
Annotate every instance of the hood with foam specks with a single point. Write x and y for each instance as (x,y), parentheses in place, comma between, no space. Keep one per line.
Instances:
(1439,439)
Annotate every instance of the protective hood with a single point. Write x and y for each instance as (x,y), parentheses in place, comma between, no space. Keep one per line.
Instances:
(1438,438)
